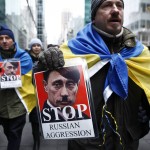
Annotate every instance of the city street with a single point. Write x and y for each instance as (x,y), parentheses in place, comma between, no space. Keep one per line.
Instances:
(27,141)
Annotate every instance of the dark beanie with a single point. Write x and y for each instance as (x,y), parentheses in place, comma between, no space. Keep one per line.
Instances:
(94,7)
(4,30)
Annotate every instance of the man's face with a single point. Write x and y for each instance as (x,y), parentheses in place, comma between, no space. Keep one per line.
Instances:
(9,69)
(61,91)
(36,48)
(6,42)
(109,16)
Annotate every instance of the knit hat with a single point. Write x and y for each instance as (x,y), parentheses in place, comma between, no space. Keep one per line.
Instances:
(35,41)
(95,5)
(4,30)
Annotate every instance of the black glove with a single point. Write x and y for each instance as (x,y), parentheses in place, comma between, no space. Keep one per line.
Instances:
(142,115)
(51,59)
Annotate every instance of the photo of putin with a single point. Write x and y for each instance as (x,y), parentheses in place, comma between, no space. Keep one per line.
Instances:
(10,68)
(9,71)
(61,86)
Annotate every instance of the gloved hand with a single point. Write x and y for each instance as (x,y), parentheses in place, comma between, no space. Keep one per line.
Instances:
(51,59)
(142,116)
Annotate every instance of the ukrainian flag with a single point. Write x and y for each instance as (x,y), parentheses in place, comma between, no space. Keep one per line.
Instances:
(26,92)
(132,62)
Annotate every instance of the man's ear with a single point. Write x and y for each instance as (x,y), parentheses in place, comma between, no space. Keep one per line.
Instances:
(45,85)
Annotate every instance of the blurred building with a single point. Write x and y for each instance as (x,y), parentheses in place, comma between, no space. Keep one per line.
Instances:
(41,21)
(65,20)
(70,26)
(138,20)
(87,15)
(21,17)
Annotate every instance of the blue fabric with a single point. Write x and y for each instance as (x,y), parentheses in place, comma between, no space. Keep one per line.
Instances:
(25,60)
(88,41)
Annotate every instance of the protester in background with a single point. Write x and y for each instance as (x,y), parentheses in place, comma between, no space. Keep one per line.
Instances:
(15,102)
(35,47)
(120,79)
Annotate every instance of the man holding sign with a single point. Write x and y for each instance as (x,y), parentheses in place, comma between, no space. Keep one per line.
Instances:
(15,100)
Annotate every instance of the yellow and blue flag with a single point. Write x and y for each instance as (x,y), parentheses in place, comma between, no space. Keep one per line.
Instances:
(133,62)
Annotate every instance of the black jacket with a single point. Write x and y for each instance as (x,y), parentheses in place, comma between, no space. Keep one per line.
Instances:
(125,112)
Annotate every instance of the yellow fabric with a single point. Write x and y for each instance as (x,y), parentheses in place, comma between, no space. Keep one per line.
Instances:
(139,70)
(27,91)
(138,67)
(91,59)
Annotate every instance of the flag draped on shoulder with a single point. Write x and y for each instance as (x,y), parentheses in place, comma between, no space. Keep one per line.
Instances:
(26,92)
(133,62)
